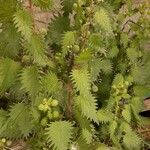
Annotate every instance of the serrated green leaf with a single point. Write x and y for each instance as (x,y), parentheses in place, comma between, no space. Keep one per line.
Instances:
(7,9)
(88,106)
(30,80)
(106,66)
(56,29)
(24,23)
(95,41)
(119,79)
(9,41)
(113,52)
(3,117)
(82,120)
(104,116)
(37,48)
(19,116)
(83,57)
(141,91)
(101,18)
(112,128)
(50,83)
(132,141)
(139,74)
(95,65)
(132,54)
(81,80)
(126,113)
(8,73)
(87,135)
(59,134)
(125,127)
(67,41)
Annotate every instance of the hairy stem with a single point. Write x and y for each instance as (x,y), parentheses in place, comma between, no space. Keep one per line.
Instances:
(31,10)
(30,4)
(69,101)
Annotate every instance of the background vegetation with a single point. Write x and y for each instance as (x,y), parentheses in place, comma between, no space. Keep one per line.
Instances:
(81,83)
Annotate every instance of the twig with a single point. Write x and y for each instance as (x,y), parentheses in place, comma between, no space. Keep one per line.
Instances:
(70,88)
(129,21)
(41,21)
(30,5)
(69,101)
(31,10)
(8,148)
(145,131)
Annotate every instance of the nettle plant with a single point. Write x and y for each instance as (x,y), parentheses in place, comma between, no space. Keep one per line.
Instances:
(79,85)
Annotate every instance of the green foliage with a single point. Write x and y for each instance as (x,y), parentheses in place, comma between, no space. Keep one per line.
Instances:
(132,54)
(113,52)
(20,116)
(30,80)
(36,48)
(100,66)
(8,73)
(101,18)
(68,5)
(79,75)
(50,83)
(103,116)
(3,117)
(59,134)
(106,66)
(95,68)
(46,4)
(18,123)
(88,107)
(9,39)
(56,29)
(126,113)
(67,42)
(7,10)
(131,140)
(87,136)
(81,83)
(24,23)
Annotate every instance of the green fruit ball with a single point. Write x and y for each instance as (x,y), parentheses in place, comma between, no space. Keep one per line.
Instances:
(41,107)
(3,140)
(50,115)
(55,114)
(125,91)
(122,86)
(54,103)
(44,101)
(44,122)
(126,83)
(75,5)
(49,101)
(46,107)
(114,87)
